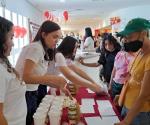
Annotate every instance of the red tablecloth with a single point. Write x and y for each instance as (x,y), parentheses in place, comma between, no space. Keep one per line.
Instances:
(83,93)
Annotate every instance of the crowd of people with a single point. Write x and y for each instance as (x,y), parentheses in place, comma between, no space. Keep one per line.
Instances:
(123,67)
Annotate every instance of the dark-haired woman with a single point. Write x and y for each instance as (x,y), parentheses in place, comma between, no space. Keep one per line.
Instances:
(33,63)
(12,90)
(89,40)
(110,48)
(64,64)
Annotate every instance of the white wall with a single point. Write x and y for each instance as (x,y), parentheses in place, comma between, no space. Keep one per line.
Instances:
(127,14)
(22,7)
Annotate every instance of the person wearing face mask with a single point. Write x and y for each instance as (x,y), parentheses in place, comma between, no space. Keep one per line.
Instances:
(120,71)
(136,103)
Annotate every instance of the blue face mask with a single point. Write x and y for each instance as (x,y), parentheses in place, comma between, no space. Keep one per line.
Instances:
(133,46)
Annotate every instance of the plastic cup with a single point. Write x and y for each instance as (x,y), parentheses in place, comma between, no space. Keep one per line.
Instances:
(55,117)
(39,119)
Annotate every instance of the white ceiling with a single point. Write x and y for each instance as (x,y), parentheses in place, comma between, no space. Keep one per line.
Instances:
(84,12)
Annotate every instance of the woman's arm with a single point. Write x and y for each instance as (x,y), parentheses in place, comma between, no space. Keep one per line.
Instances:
(143,97)
(73,77)
(88,64)
(2,117)
(81,73)
(30,78)
(112,76)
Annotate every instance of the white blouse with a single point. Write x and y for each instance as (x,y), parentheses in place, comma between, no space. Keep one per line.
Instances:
(34,52)
(12,95)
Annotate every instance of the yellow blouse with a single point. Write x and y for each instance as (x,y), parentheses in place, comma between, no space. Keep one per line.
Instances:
(140,66)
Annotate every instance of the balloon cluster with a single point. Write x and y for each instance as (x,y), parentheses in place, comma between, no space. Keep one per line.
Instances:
(19,31)
(49,16)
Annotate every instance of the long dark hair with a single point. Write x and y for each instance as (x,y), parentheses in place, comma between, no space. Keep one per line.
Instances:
(88,32)
(46,27)
(67,47)
(113,41)
(5,27)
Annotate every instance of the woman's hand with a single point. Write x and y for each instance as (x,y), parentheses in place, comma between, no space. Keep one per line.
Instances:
(62,82)
(80,60)
(98,89)
(65,89)
(116,100)
(110,87)
(127,77)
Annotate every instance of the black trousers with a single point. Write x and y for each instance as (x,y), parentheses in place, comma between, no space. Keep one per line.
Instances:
(42,91)
(31,99)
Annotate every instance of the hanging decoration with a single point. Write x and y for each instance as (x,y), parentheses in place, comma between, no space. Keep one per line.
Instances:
(19,31)
(23,32)
(16,31)
(65,14)
(46,14)
(50,16)
(115,20)
(97,31)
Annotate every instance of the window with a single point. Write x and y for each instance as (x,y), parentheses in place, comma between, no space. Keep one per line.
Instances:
(7,14)
(25,25)
(19,42)
(1,12)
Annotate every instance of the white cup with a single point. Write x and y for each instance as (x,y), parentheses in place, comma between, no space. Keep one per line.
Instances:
(53,91)
(58,103)
(42,111)
(56,108)
(49,96)
(44,106)
(47,100)
(39,119)
(62,93)
(55,117)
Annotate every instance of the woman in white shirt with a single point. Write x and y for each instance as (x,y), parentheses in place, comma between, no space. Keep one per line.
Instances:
(64,63)
(33,63)
(12,91)
(89,41)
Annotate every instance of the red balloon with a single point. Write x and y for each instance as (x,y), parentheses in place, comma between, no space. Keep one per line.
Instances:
(17,31)
(23,32)
(50,16)
(65,14)
(46,14)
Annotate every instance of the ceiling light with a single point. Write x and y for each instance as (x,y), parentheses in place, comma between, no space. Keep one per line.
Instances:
(62,1)
(97,0)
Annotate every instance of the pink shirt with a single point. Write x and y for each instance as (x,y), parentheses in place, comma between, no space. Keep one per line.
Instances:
(122,61)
